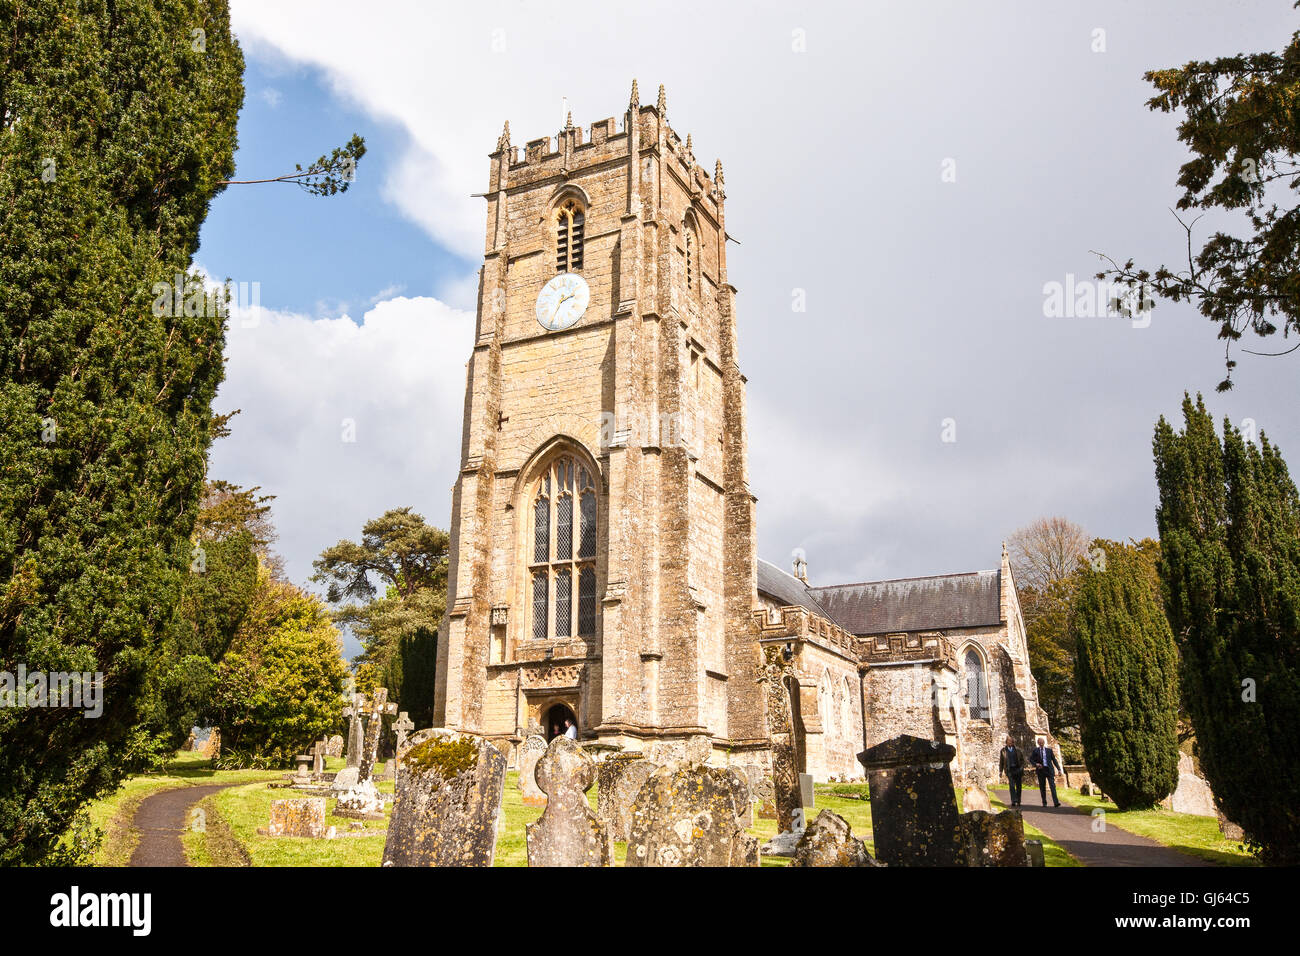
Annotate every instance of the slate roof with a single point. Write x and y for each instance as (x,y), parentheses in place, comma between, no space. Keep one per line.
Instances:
(887,607)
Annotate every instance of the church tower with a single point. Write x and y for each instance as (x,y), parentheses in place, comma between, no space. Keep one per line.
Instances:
(602,530)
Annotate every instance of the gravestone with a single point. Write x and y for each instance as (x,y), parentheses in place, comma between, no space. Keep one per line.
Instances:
(829,841)
(994,839)
(976,797)
(402,726)
(318,750)
(360,802)
(375,712)
(302,770)
(355,736)
(298,818)
(568,833)
(773,674)
(449,793)
(807,794)
(1193,794)
(739,783)
(765,797)
(346,779)
(685,816)
(1034,850)
(619,778)
(913,804)
(530,751)
(335,748)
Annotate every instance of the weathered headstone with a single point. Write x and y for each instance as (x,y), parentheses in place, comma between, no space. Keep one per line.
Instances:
(829,841)
(375,712)
(449,793)
(976,797)
(774,673)
(360,802)
(299,818)
(994,839)
(402,726)
(335,748)
(619,778)
(807,793)
(739,783)
(765,796)
(913,804)
(685,816)
(1034,850)
(346,779)
(355,736)
(318,757)
(530,751)
(568,833)
(1193,794)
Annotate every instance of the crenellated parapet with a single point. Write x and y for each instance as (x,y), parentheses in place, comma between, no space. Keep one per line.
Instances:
(799,624)
(916,647)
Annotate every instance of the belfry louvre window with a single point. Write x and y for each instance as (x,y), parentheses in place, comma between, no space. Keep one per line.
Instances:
(568,237)
(564,515)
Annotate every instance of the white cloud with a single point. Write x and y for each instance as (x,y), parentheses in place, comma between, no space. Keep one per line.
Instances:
(398,377)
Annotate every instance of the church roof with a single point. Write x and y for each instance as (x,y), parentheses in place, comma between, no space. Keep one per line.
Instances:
(930,603)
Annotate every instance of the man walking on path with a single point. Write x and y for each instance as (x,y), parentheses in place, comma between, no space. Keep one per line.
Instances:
(1044,761)
(1011,764)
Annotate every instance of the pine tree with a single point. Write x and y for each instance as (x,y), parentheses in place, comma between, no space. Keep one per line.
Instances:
(1126,671)
(117,126)
(1229,522)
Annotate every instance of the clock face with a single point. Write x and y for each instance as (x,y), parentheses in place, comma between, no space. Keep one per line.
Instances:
(562,301)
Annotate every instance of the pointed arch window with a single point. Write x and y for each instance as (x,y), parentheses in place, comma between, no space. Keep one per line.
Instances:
(563,551)
(569,221)
(977,687)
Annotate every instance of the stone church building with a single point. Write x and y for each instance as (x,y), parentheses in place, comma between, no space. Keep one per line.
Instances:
(603,565)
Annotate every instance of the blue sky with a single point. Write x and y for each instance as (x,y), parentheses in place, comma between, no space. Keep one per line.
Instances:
(311,254)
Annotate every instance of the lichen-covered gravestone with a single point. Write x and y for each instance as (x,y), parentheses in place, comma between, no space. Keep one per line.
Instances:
(740,797)
(685,816)
(994,839)
(619,779)
(913,803)
(449,791)
(530,751)
(335,748)
(975,797)
(568,833)
(829,841)
(299,818)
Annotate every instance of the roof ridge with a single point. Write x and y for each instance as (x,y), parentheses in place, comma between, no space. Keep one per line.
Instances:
(919,577)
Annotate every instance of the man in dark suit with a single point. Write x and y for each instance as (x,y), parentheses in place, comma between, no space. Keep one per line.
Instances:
(1011,763)
(1044,758)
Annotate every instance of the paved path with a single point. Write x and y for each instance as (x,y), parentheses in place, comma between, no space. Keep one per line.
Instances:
(1071,828)
(161,818)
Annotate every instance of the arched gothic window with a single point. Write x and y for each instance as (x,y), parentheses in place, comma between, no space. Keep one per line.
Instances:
(977,688)
(568,237)
(846,712)
(562,569)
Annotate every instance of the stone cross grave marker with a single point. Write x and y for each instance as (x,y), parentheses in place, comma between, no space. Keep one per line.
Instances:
(318,750)
(374,727)
(568,833)
(353,711)
(402,726)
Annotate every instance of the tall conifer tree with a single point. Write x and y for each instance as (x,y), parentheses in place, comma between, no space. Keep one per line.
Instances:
(1229,522)
(117,127)
(1126,672)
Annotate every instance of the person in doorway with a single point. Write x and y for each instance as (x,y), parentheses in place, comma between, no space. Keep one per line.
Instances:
(1046,763)
(1011,764)
(571,730)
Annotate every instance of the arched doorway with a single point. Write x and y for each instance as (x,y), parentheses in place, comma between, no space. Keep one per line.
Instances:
(556,720)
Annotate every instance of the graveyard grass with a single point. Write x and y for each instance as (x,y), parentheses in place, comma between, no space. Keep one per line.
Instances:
(1196,836)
